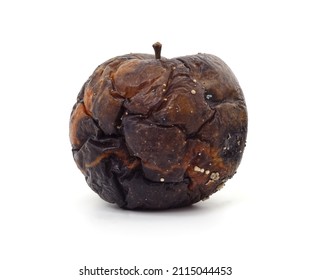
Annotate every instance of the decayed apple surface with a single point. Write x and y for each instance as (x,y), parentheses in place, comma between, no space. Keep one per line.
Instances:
(154,133)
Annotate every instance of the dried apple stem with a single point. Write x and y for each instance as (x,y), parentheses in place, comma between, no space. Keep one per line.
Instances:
(157,50)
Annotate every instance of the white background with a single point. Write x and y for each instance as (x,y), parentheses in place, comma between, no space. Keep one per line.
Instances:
(52,224)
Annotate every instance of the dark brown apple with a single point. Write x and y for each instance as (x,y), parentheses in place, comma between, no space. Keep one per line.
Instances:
(154,133)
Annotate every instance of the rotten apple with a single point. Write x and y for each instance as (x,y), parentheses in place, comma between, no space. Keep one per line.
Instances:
(154,133)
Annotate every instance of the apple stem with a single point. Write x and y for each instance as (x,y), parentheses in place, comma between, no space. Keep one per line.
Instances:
(157,50)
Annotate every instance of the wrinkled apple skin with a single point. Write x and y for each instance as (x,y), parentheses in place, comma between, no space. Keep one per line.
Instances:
(159,133)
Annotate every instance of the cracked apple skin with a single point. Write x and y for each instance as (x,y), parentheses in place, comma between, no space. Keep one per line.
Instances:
(159,133)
